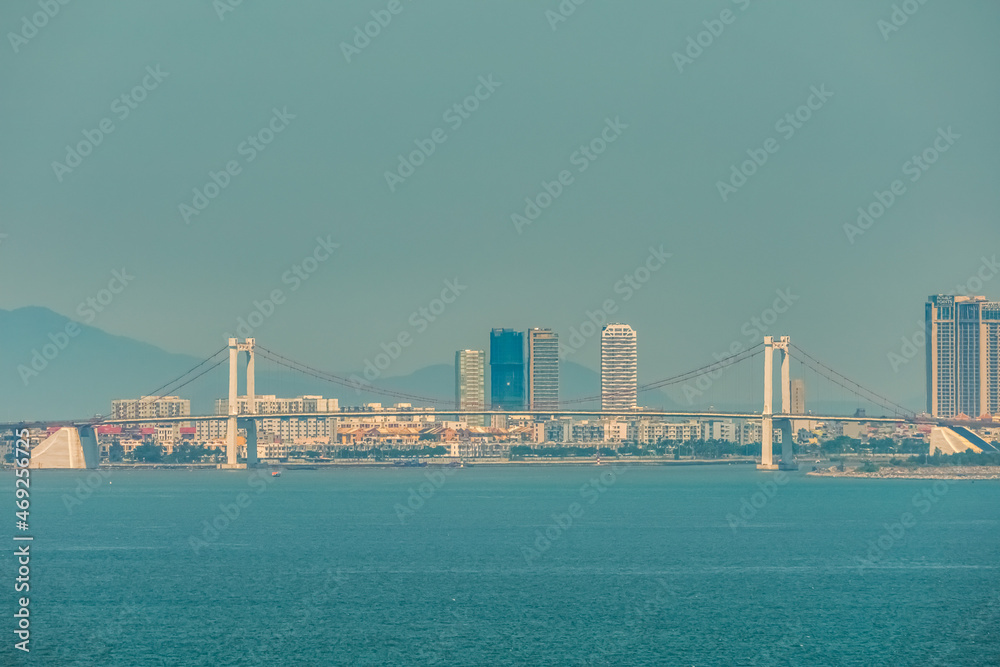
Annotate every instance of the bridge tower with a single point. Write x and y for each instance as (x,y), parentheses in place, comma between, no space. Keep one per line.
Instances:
(783,345)
(235,422)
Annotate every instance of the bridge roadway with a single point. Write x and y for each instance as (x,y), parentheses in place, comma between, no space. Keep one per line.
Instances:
(521,413)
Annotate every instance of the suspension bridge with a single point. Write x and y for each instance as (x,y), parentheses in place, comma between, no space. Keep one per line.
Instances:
(243,413)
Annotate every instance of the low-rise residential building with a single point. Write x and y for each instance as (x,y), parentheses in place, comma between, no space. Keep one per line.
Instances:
(150,407)
(475,449)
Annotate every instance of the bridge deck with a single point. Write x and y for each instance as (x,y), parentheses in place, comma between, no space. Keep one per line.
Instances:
(524,413)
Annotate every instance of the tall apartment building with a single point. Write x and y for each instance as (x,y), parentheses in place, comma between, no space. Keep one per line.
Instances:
(543,369)
(151,407)
(798,396)
(619,367)
(470,383)
(963,355)
(507,369)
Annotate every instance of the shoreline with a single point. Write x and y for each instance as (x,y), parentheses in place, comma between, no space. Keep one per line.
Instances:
(453,463)
(925,472)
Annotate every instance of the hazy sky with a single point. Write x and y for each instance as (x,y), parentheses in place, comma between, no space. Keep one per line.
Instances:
(879,97)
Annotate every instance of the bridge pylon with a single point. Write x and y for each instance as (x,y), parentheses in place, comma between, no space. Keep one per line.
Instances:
(234,422)
(783,345)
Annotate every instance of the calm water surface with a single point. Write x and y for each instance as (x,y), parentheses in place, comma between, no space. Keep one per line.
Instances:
(650,566)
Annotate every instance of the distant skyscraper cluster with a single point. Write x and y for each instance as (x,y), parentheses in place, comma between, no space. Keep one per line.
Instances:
(524,371)
(963,356)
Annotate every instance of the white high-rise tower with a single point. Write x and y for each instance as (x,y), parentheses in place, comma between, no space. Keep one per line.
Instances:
(470,368)
(619,367)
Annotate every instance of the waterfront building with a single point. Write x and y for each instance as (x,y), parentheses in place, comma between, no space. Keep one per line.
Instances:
(963,355)
(718,429)
(649,432)
(286,430)
(150,407)
(543,369)
(270,404)
(470,383)
(619,367)
(507,369)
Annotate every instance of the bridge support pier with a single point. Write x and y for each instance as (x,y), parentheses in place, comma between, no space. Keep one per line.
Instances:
(250,426)
(767,416)
(787,461)
(234,422)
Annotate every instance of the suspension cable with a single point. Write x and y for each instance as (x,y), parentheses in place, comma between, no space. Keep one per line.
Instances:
(156,391)
(721,363)
(346,382)
(888,403)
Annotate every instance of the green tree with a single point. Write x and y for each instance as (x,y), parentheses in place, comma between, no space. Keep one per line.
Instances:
(882,445)
(913,446)
(148,453)
(841,444)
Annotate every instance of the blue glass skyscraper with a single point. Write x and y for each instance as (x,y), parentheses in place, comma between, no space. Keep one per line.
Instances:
(507,369)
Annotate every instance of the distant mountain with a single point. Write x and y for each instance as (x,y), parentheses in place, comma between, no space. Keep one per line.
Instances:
(55,368)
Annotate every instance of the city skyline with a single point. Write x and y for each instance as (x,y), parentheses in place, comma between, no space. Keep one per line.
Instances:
(493,333)
(988,377)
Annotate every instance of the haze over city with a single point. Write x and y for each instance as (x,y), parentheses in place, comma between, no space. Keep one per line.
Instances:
(453,333)
(656,186)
